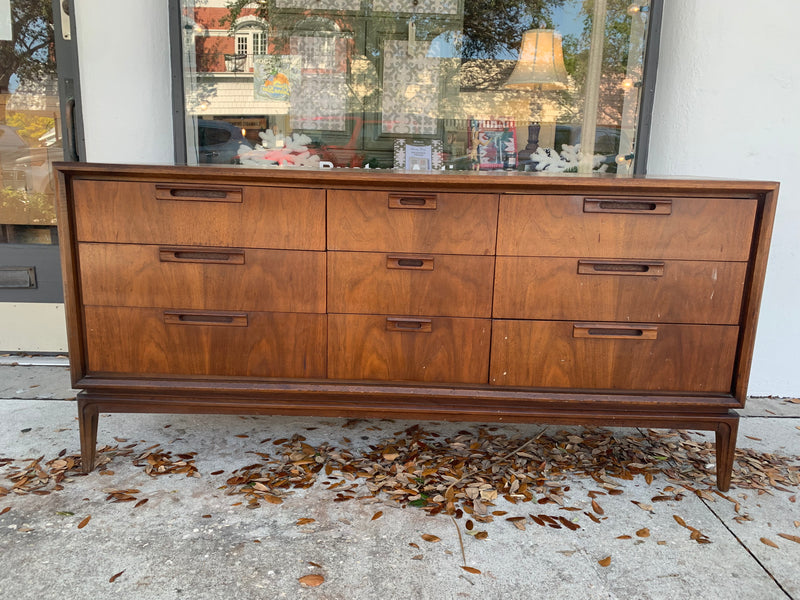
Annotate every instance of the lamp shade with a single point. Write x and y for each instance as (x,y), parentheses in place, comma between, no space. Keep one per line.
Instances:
(541,61)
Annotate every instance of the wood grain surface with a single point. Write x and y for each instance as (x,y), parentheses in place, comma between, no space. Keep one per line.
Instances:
(695,229)
(684,291)
(546,354)
(131,212)
(250,280)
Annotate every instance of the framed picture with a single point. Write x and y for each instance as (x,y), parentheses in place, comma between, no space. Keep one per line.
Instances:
(418,155)
(493,144)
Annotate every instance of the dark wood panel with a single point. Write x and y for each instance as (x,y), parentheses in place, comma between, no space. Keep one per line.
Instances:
(202,277)
(410,284)
(199,343)
(613,290)
(692,229)
(436,349)
(149,213)
(559,354)
(427,222)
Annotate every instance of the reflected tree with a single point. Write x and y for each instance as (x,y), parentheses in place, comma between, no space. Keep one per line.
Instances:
(28,56)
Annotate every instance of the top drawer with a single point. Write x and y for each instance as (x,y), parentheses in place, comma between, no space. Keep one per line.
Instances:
(412,222)
(199,214)
(619,227)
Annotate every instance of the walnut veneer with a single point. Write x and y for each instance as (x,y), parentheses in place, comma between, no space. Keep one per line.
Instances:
(459,296)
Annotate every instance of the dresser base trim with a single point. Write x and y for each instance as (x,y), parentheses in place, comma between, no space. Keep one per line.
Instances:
(725,424)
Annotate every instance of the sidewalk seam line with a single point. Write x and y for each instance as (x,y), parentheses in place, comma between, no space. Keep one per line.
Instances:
(750,552)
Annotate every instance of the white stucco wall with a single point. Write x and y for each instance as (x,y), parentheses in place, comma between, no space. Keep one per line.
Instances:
(728,105)
(123,53)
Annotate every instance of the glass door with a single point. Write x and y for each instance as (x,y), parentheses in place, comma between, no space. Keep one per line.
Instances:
(33,127)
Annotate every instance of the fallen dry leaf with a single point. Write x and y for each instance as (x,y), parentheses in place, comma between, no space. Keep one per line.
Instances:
(5,510)
(84,523)
(140,503)
(113,578)
(596,507)
(417,557)
(430,538)
(312,580)
(313,564)
(769,542)
(304,521)
(791,538)
(643,533)
(604,562)
(472,570)
(678,520)
(377,515)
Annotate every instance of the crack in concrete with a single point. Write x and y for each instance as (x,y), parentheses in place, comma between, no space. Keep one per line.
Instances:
(750,552)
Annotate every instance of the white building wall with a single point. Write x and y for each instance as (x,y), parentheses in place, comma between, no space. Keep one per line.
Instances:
(126,83)
(727,105)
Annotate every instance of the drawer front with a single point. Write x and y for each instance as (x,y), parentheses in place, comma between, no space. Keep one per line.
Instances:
(619,290)
(192,343)
(202,277)
(410,284)
(435,349)
(412,222)
(678,228)
(605,356)
(199,215)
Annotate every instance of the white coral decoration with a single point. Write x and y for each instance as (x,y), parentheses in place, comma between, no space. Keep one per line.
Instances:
(278,150)
(547,159)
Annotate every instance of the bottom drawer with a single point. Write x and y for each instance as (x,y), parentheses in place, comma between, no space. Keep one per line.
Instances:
(149,341)
(435,349)
(620,356)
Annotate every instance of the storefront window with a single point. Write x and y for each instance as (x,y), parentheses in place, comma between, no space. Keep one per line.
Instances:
(29,125)
(533,85)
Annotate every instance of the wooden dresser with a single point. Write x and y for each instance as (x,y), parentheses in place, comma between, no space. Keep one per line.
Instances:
(458,295)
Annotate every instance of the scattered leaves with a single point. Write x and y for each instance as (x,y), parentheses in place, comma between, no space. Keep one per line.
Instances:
(604,562)
(643,533)
(85,522)
(304,521)
(113,578)
(430,538)
(377,515)
(769,542)
(791,538)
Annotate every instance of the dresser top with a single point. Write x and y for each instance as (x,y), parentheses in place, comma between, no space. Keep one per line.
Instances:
(473,181)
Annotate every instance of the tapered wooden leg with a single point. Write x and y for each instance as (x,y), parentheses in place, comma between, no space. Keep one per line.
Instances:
(726,448)
(87,421)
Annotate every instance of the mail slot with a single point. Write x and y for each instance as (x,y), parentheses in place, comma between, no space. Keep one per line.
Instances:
(17,277)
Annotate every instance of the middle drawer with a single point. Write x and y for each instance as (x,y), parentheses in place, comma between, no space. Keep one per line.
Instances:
(660,291)
(202,278)
(410,284)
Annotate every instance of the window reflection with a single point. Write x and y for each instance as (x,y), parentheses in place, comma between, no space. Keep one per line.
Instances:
(29,128)
(367,83)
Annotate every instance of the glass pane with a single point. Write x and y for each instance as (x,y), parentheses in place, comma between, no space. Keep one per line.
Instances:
(29,126)
(415,84)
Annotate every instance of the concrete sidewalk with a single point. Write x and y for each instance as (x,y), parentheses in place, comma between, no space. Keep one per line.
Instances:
(192,539)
